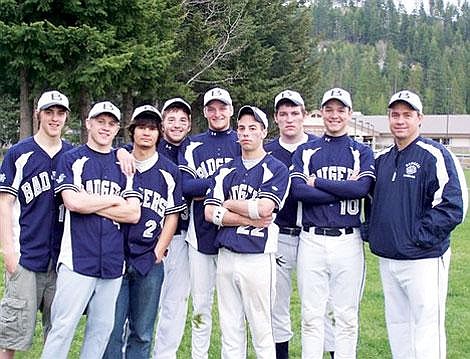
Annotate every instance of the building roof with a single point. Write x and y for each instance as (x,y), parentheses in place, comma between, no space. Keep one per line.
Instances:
(453,125)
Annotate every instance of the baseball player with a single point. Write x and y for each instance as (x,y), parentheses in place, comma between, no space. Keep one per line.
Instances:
(198,160)
(97,197)
(419,197)
(176,125)
(289,115)
(29,223)
(146,242)
(241,201)
(330,176)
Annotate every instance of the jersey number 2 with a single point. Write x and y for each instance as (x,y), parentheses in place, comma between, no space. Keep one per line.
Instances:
(150,226)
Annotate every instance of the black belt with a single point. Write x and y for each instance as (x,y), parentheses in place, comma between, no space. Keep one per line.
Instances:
(290,231)
(331,232)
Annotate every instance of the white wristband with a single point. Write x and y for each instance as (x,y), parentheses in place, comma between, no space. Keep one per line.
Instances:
(253,209)
(218,215)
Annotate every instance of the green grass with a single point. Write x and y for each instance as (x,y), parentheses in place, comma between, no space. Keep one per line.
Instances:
(373,337)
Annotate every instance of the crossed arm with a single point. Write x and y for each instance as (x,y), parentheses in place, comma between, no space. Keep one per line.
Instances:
(238,213)
(112,207)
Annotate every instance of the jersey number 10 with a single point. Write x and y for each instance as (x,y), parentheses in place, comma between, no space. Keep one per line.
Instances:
(349,207)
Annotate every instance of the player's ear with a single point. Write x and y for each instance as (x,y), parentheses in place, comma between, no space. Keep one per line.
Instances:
(264,133)
(87,123)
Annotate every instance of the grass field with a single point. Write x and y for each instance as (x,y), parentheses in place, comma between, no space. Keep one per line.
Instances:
(373,338)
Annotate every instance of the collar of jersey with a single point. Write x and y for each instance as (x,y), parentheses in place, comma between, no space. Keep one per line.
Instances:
(219,133)
(329,138)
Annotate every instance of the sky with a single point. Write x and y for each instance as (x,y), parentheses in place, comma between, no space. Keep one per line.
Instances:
(412,4)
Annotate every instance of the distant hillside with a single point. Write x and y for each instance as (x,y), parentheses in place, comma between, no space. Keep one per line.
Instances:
(374,48)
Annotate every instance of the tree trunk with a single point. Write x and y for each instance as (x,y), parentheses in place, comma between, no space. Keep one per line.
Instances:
(26,123)
(127,108)
(84,107)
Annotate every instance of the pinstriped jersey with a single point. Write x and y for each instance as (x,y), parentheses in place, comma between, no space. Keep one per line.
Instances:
(419,197)
(159,181)
(198,160)
(269,178)
(289,214)
(27,172)
(171,151)
(92,245)
(335,200)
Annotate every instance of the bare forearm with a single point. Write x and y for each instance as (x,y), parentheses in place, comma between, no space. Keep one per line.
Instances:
(232,219)
(126,212)
(8,250)
(85,203)
(168,231)
(265,207)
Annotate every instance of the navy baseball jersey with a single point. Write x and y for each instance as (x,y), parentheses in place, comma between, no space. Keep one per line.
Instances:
(290,214)
(27,173)
(171,151)
(269,178)
(198,160)
(159,181)
(335,201)
(92,245)
(423,196)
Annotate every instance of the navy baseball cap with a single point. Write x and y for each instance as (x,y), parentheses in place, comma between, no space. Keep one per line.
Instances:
(259,115)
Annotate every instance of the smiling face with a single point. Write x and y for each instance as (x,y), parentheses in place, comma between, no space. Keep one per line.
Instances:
(101,131)
(218,115)
(176,125)
(336,116)
(404,123)
(52,120)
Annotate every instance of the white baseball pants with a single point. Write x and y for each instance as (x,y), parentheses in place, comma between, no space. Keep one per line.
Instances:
(246,285)
(173,300)
(415,303)
(202,268)
(334,267)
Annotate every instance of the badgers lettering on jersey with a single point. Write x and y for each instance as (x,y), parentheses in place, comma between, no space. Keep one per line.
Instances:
(243,191)
(154,201)
(208,167)
(37,185)
(102,187)
(335,173)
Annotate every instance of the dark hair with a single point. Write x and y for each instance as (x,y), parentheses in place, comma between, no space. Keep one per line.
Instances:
(145,119)
(289,103)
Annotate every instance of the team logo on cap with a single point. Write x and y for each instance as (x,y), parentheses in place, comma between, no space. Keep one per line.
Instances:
(56,96)
(216,92)
(108,106)
(336,92)
(404,95)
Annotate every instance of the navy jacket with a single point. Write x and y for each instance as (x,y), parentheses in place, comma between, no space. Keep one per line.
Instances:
(419,197)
